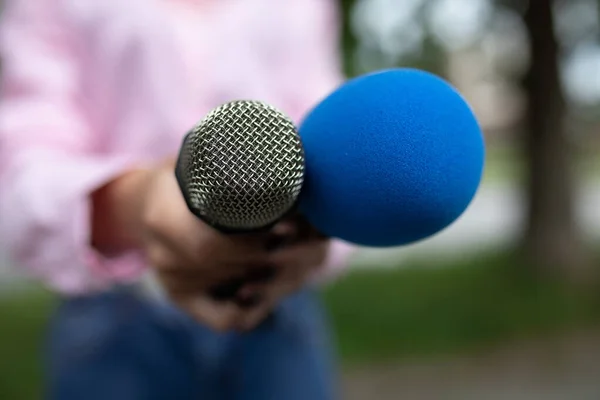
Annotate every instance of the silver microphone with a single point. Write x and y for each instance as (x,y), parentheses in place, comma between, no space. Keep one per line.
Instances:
(241,169)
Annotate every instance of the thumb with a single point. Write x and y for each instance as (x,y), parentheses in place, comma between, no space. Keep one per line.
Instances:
(282,234)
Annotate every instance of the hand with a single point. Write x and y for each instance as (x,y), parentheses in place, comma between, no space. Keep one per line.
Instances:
(144,209)
(301,251)
(189,257)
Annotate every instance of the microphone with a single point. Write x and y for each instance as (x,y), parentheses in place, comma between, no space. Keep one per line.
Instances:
(387,159)
(392,157)
(240,170)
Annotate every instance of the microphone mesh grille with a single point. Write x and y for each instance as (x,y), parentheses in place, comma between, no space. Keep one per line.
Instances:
(242,166)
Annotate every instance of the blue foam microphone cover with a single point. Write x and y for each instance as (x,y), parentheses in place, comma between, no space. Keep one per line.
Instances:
(392,157)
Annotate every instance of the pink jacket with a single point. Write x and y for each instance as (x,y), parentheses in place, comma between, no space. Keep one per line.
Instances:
(91,88)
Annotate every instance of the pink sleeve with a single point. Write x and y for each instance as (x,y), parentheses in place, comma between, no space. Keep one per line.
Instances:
(312,68)
(336,262)
(48,164)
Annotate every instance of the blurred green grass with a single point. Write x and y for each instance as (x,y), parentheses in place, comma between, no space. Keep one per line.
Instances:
(420,310)
(379,314)
(23,317)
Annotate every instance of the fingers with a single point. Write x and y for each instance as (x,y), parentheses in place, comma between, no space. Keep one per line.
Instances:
(229,289)
(260,298)
(211,269)
(249,301)
(281,235)
(288,227)
(226,290)
(167,219)
(290,231)
(254,316)
(290,268)
(244,311)
(221,316)
(188,295)
(261,274)
(300,257)
(250,308)
(198,242)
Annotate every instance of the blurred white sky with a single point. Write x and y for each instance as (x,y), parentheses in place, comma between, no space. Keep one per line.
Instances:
(392,26)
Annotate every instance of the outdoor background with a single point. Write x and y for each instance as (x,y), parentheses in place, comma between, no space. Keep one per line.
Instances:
(504,304)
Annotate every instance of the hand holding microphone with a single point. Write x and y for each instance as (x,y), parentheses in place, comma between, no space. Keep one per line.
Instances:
(243,248)
(190,258)
(387,159)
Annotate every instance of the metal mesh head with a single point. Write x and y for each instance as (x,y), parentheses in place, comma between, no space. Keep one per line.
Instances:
(242,167)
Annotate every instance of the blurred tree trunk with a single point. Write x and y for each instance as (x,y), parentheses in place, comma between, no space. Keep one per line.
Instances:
(553,241)
(348,40)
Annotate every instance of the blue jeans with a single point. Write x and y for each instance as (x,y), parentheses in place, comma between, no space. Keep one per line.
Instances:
(120,346)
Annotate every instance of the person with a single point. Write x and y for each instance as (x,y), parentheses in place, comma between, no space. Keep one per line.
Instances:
(96,98)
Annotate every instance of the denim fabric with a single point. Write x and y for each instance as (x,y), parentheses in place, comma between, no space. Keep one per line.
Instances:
(121,346)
